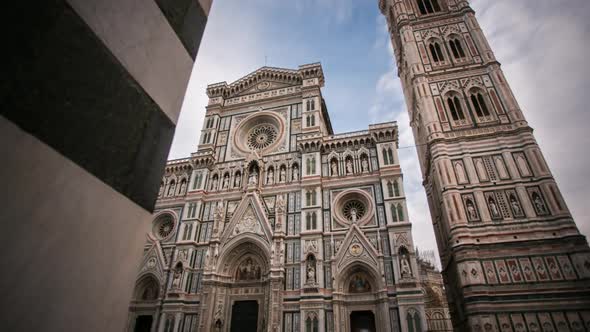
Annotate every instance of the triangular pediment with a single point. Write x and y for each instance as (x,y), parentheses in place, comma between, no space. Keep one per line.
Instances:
(264,86)
(356,247)
(248,219)
(153,262)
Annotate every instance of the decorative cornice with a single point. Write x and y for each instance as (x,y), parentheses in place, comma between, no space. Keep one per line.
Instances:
(288,76)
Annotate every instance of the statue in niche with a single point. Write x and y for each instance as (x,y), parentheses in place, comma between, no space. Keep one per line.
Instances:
(226,181)
(283,175)
(539,205)
(471,210)
(171,189)
(406,271)
(253,177)
(214,184)
(515,206)
(310,274)
(182,187)
(295,173)
(359,284)
(270,178)
(334,166)
(364,164)
(161,191)
(238,180)
(248,270)
(349,167)
(493,208)
(177,277)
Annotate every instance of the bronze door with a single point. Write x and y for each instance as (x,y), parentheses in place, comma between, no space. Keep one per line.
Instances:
(244,316)
(362,321)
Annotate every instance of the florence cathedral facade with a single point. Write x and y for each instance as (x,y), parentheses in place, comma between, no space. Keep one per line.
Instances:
(277,223)
(512,256)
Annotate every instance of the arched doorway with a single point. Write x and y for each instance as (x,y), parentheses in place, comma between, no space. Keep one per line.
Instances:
(143,323)
(360,300)
(362,321)
(244,316)
(240,287)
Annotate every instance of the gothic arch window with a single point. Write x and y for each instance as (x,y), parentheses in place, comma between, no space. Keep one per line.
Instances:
(308,195)
(436,52)
(390,189)
(396,188)
(312,323)
(388,156)
(413,321)
(308,221)
(454,104)
(314,221)
(394,212)
(169,325)
(428,6)
(188,230)
(457,48)
(479,104)
(400,212)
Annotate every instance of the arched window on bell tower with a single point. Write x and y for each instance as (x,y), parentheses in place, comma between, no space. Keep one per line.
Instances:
(457,48)
(479,104)
(436,53)
(428,6)
(455,107)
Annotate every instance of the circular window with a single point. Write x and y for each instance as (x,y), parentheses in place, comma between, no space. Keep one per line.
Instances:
(261,136)
(261,131)
(353,206)
(163,226)
(354,210)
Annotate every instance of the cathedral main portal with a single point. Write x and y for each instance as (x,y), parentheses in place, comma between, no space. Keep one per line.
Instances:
(362,321)
(244,316)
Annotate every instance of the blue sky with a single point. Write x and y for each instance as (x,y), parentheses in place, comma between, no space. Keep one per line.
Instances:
(541,44)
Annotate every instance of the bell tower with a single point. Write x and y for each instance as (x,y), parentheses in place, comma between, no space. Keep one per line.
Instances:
(511,253)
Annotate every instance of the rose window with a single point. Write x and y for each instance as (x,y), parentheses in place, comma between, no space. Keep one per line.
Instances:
(262,136)
(354,210)
(163,227)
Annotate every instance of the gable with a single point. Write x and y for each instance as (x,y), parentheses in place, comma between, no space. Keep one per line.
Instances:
(249,219)
(356,247)
(263,86)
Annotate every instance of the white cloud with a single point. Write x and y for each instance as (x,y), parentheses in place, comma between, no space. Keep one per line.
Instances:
(543,49)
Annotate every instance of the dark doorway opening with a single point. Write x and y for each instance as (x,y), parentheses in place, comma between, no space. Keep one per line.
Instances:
(362,321)
(244,316)
(143,323)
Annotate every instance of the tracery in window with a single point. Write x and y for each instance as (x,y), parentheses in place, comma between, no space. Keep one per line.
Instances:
(457,48)
(479,104)
(428,6)
(455,108)
(436,53)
